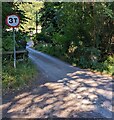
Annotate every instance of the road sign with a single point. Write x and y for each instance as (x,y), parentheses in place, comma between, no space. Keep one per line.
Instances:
(13,20)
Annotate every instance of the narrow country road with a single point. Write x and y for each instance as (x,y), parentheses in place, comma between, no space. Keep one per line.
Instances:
(61,91)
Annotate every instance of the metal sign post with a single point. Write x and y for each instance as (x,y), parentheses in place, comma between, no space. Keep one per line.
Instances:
(14,48)
(13,21)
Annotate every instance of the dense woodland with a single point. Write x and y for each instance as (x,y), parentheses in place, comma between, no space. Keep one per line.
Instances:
(79,33)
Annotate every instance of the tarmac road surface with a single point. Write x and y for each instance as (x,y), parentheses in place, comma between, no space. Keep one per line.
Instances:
(61,91)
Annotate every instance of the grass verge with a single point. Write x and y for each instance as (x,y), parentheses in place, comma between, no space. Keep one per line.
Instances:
(16,78)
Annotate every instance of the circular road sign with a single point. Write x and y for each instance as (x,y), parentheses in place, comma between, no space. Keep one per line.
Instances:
(12,20)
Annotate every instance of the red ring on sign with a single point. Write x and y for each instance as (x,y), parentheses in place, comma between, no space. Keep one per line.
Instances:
(10,25)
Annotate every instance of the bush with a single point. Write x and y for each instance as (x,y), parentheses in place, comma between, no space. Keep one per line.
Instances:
(109,62)
(21,44)
(8,42)
(52,50)
(41,37)
(87,56)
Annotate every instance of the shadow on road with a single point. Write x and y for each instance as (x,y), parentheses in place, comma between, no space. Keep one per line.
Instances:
(76,95)
(66,92)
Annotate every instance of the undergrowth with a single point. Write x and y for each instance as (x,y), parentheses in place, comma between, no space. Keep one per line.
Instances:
(15,78)
(84,60)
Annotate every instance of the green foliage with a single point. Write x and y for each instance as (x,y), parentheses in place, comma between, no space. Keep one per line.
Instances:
(14,78)
(52,50)
(109,62)
(85,22)
(29,8)
(59,39)
(21,40)
(82,31)
(41,37)
(12,8)
(7,8)
(87,56)
(49,18)
(7,42)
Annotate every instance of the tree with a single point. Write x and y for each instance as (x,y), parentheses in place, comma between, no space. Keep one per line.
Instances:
(12,8)
(87,28)
(7,9)
(29,8)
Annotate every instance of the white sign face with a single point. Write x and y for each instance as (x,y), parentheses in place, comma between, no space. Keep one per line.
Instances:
(12,20)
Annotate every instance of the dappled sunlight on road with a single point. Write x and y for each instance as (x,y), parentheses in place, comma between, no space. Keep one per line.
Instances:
(76,95)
